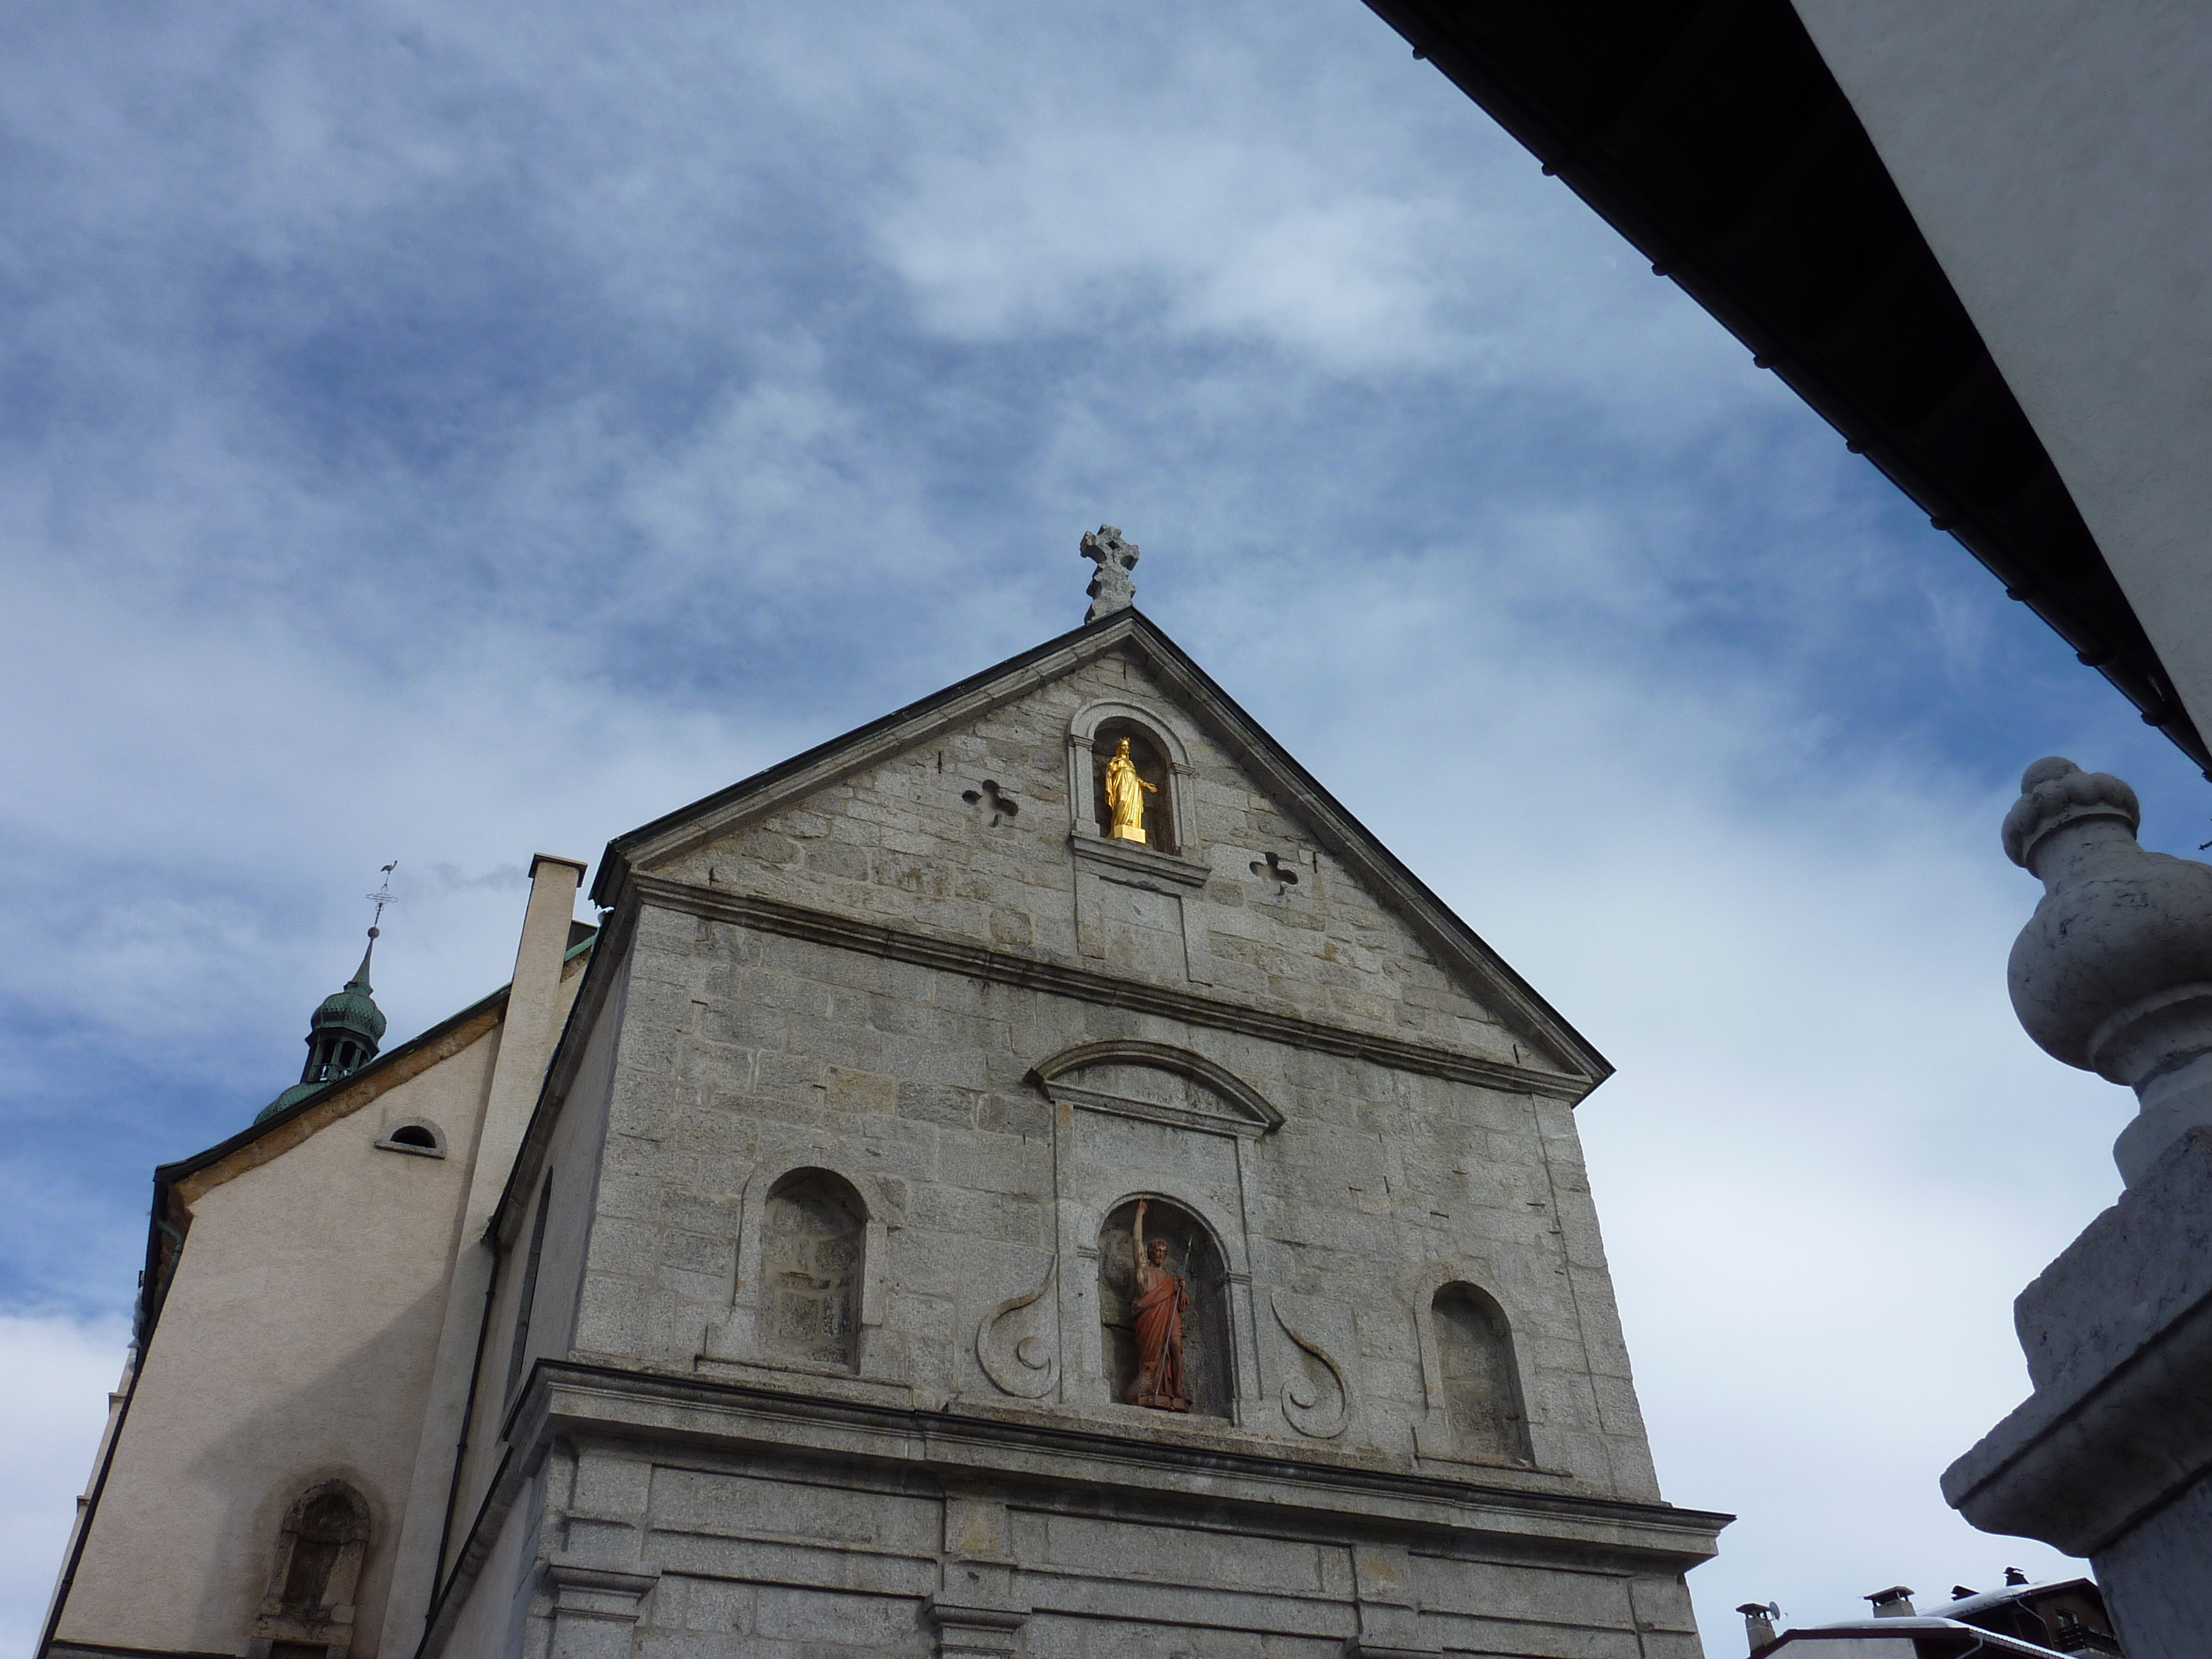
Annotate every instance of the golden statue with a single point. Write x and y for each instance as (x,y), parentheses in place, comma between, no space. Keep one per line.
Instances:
(1125,795)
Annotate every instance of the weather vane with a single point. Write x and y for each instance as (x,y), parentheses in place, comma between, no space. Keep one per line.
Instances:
(379,898)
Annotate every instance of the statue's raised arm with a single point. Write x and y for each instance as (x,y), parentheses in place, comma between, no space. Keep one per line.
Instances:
(1138,1241)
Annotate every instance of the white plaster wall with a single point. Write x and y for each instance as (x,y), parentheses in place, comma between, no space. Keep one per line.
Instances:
(2058,158)
(574,1157)
(577,1157)
(296,1343)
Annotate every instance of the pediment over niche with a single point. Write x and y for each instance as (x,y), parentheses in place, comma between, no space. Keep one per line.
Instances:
(1157,1081)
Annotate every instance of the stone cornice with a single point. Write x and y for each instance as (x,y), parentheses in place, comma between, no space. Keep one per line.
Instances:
(964,1442)
(2118,1336)
(1004,967)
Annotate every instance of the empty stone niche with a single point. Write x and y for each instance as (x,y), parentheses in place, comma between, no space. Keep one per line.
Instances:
(1481,1382)
(1153,767)
(309,1606)
(1191,1252)
(814,1238)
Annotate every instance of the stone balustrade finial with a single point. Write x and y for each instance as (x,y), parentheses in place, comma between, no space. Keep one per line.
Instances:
(2113,973)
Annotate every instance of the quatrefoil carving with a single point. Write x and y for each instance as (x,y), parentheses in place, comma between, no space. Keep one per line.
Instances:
(1272,868)
(993,803)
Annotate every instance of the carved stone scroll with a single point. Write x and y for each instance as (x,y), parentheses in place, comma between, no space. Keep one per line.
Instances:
(1018,1370)
(1301,1401)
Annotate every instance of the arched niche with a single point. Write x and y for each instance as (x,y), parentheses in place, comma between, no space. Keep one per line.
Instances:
(1135,1118)
(813,1260)
(804,1190)
(1193,1252)
(1163,760)
(314,1575)
(1476,1408)
(1150,758)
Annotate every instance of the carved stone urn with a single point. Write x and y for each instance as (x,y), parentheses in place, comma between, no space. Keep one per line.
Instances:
(2113,973)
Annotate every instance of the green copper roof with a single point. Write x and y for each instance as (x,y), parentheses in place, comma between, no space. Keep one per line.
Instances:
(298,1091)
(343,1034)
(352,1008)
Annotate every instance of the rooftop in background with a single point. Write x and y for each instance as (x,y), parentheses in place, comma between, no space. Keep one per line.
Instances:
(2065,1615)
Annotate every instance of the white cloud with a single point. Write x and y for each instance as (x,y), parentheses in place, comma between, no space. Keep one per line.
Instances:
(1830,1157)
(457,432)
(59,1370)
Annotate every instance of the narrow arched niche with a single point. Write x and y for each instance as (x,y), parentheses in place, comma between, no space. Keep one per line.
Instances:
(315,1575)
(1191,1252)
(1151,758)
(813,1246)
(1481,1382)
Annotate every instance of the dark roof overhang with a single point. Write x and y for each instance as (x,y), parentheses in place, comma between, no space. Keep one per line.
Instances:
(1710,134)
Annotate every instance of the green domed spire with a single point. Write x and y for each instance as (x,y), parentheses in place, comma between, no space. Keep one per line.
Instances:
(344,1033)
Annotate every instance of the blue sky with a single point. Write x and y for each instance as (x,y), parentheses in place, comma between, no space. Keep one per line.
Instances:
(452,431)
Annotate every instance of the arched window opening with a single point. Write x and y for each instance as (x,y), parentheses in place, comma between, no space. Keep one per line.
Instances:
(417,1135)
(1191,1255)
(309,1606)
(813,1237)
(1154,780)
(1481,1383)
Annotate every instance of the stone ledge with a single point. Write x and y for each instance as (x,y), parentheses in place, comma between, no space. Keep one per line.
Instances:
(570,1572)
(1004,967)
(1024,1447)
(2077,1467)
(1074,1470)
(941,1612)
(2117,1333)
(1130,859)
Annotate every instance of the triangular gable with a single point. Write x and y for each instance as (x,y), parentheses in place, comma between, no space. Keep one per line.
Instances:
(1456,948)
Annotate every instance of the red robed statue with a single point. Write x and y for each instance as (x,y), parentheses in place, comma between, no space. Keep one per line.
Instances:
(1161,1297)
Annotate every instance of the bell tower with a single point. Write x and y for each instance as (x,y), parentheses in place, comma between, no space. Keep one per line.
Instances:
(346,1028)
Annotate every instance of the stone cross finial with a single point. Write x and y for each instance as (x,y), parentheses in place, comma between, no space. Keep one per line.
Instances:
(1111,588)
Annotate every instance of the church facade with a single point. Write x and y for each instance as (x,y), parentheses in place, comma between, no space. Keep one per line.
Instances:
(778,1291)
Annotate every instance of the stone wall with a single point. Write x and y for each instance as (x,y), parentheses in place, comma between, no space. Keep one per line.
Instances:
(915,1084)
(900,842)
(765,1547)
(926,995)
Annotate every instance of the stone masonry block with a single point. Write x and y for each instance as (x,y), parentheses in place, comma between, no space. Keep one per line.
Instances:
(937,1103)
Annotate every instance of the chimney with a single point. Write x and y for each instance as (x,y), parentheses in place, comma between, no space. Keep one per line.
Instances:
(1895,1602)
(1759,1622)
